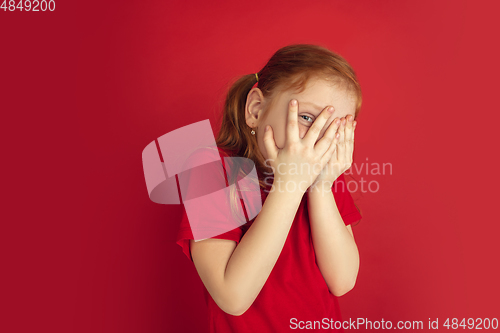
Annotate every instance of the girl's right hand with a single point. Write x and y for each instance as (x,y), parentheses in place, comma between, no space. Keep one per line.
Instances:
(301,160)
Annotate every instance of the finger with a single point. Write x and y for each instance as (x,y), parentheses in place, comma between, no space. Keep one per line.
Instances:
(354,123)
(342,130)
(292,125)
(331,154)
(341,143)
(349,129)
(326,141)
(350,142)
(313,133)
(350,145)
(269,143)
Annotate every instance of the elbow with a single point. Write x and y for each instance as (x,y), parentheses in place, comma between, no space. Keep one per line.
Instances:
(234,306)
(343,288)
(235,310)
(341,292)
(237,313)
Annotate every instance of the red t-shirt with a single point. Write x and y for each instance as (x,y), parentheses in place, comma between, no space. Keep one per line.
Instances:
(294,289)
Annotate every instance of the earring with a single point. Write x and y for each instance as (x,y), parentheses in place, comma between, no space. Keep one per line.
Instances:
(253,132)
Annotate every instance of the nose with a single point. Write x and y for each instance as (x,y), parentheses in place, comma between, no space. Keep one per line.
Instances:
(323,130)
(303,132)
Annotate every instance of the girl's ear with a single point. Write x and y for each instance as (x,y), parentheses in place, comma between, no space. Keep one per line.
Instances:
(253,107)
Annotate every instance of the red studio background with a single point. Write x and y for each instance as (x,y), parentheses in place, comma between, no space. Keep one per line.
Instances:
(86,87)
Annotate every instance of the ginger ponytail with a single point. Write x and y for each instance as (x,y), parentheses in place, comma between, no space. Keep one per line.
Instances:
(234,134)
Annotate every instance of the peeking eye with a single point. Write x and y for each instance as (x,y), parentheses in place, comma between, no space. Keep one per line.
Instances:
(307,118)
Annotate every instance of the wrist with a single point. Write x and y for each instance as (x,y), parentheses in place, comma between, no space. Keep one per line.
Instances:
(290,185)
(321,187)
(288,196)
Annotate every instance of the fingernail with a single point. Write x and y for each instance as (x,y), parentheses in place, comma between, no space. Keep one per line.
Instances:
(294,102)
(267,128)
(330,109)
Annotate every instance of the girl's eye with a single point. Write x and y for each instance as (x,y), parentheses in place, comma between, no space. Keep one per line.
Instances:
(309,119)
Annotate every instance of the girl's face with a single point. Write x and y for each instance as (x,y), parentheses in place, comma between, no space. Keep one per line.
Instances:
(317,95)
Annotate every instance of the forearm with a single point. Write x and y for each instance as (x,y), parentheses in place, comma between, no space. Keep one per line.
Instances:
(336,251)
(255,256)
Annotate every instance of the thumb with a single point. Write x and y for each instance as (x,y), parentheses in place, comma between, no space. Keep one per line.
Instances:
(269,143)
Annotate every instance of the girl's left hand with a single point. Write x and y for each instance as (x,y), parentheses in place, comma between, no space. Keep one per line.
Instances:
(341,159)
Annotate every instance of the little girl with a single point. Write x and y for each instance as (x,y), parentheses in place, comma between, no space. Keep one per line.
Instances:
(284,270)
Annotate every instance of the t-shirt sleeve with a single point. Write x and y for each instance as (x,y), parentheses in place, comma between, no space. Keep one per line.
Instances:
(184,235)
(345,202)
